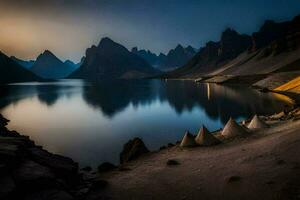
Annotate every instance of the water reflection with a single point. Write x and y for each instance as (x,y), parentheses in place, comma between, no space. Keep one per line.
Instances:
(90,122)
(216,100)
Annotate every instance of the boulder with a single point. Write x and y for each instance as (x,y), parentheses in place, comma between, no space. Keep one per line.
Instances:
(132,150)
(61,165)
(31,176)
(106,166)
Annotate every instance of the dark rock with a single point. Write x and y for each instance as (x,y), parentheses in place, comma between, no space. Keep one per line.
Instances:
(61,165)
(49,194)
(132,150)
(172,162)
(162,147)
(233,179)
(33,176)
(280,162)
(7,186)
(170,145)
(87,169)
(106,166)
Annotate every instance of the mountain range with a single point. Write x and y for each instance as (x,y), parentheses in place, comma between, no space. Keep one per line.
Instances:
(27,64)
(11,71)
(110,60)
(175,57)
(246,58)
(47,65)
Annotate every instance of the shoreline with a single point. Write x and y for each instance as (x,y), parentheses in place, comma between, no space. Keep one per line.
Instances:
(39,172)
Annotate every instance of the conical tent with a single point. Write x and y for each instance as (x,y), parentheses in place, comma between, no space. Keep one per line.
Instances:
(257,123)
(232,129)
(188,140)
(205,138)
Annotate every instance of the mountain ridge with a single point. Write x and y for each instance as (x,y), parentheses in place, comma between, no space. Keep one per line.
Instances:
(111,60)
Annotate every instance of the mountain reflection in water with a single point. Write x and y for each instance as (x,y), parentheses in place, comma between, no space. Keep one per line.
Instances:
(90,122)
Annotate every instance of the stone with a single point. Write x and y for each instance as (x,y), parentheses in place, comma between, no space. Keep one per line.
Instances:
(87,169)
(172,162)
(61,165)
(132,150)
(33,176)
(106,166)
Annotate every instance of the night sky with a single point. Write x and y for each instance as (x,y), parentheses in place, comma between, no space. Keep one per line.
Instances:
(68,27)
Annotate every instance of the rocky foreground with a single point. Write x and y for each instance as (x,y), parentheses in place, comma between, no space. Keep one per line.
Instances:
(261,164)
(27,171)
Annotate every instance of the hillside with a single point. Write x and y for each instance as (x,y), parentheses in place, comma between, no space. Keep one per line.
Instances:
(273,49)
(11,71)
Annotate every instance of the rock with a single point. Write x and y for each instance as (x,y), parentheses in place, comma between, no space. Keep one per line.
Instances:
(49,194)
(7,186)
(233,179)
(62,166)
(87,169)
(99,184)
(162,147)
(172,162)
(3,121)
(170,145)
(106,166)
(33,176)
(132,150)
(9,154)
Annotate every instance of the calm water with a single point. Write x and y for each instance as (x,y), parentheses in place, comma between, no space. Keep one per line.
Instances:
(91,122)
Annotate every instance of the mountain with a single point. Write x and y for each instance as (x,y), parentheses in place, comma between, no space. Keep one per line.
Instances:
(175,57)
(27,64)
(47,65)
(110,60)
(74,65)
(274,48)
(11,71)
(150,57)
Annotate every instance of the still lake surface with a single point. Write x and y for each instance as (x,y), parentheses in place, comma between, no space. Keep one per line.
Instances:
(90,122)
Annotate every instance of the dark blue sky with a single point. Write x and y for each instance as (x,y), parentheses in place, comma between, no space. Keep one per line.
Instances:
(68,27)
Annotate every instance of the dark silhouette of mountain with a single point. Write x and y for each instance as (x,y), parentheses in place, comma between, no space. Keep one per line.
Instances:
(215,54)
(11,71)
(150,57)
(110,60)
(47,65)
(27,64)
(74,65)
(237,54)
(175,58)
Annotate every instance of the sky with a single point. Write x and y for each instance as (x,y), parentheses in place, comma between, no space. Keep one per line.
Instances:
(68,27)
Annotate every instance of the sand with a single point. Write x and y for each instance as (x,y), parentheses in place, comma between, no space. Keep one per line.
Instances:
(265,165)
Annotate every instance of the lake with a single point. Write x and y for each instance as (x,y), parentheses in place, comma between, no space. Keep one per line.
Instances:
(90,122)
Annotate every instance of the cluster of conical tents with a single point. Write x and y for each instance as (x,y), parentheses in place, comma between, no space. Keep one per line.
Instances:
(232,129)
